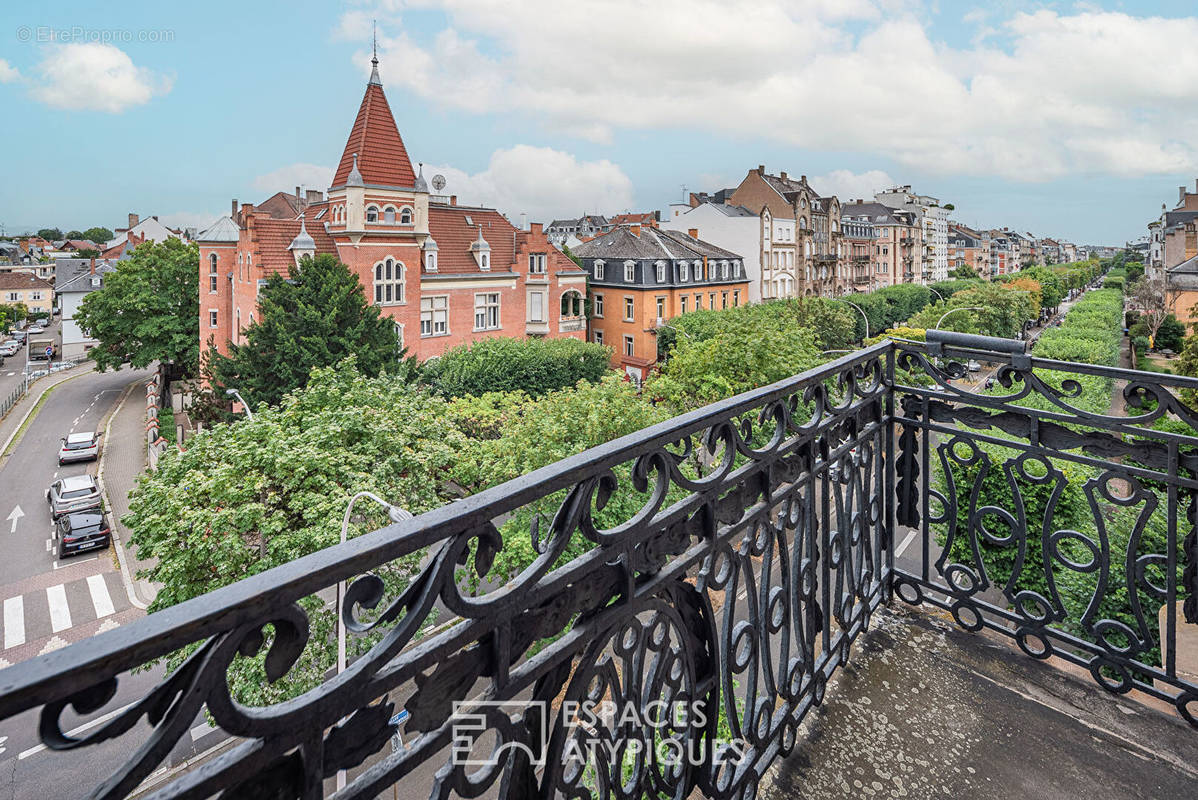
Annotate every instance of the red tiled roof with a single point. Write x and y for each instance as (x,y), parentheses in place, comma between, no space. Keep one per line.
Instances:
(274,236)
(635,218)
(15,281)
(454,235)
(382,158)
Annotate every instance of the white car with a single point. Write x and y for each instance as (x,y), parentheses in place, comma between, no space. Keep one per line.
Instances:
(79,447)
(36,329)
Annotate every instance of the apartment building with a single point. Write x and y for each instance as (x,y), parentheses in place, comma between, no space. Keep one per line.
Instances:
(641,276)
(897,241)
(932,262)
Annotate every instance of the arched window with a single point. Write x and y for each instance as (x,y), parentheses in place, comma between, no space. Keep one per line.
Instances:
(372,214)
(572,304)
(212,263)
(661,271)
(684,271)
(405,216)
(388,282)
(599,270)
(389,215)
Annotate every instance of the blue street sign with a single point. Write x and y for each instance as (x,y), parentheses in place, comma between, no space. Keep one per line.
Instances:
(50,352)
(399,718)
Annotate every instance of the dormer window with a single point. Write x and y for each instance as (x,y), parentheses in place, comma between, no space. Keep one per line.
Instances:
(430,262)
(661,271)
(405,216)
(724,270)
(372,214)
(684,271)
(698,270)
(599,268)
(629,272)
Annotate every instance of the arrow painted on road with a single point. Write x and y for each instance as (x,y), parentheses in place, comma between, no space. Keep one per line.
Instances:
(16,514)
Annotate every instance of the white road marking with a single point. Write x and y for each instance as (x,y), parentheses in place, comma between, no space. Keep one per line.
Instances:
(201,730)
(11,374)
(60,612)
(14,622)
(905,544)
(49,545)
(16,514)
(100,720)
(100,598)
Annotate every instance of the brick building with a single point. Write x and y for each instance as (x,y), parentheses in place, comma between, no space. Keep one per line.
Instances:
(446,273)
(897,241)
(641,276)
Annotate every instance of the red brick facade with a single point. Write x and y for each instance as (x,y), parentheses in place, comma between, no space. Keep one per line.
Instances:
(447,274)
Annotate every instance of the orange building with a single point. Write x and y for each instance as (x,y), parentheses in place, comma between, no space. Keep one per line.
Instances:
(640,276)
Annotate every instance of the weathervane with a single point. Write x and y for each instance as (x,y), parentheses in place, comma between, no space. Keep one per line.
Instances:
(374,42)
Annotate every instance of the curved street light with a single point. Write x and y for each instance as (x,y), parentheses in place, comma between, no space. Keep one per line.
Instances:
(859,309)
(244,405)
(933,291)
(661,324)
(954,310)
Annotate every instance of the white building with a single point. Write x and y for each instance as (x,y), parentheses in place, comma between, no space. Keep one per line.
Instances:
(74,279)
(766,243)
(933,219)
(149,228)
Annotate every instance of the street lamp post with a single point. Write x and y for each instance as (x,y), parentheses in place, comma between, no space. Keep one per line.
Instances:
(395,514)
(933,291)
(661,324)
(244,405)
(859,310)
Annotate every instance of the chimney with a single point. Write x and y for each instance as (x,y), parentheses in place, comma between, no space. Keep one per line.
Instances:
(133,220)
(93,265)
(453,199)
(761,169)
(1181,195)
(636,230)
(537,228)
(693,233)
(802,179)
(315,196)
(155,217)
(523,221)
(782,175)
(233,211)
(297,192)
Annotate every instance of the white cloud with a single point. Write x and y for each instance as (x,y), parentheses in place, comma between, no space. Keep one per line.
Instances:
(8,73)
(95,77)
(541,182)
(1052,93)
(285,179)
(848,185)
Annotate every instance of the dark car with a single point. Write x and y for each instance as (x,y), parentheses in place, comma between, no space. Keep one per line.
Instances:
(77,533)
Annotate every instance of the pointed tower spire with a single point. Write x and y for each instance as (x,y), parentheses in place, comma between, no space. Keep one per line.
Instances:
(421,185)
(355,177)
(374,58)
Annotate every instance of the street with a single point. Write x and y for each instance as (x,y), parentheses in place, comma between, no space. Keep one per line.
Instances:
(13,370)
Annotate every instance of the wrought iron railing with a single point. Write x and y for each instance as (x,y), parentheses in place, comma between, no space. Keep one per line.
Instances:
(723,561)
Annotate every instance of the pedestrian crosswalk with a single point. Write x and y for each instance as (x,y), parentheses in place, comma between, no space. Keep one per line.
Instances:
(41,613)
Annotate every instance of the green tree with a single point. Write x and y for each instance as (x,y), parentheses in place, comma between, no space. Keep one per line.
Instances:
(148,309)
(252,495)
(73,235)
(98,235)
(11,314)
(87,252)
(314,318)
(535,366)
(744,355)
(963,271)
(1171,334)
(50,234)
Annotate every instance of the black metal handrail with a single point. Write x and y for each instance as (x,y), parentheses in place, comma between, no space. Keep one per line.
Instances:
(729,557)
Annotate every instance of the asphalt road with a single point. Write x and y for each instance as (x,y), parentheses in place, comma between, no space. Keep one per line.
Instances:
(13,367)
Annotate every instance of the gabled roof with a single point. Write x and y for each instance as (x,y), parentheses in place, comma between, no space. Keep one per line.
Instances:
(79,281)
(876,213)
(622,244)
(455,236)
(223,230)
(1187,267)
(16,281)
(382,158)
(273,237)
(634,218)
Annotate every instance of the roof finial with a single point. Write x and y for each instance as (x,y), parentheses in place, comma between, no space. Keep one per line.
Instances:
(374,58)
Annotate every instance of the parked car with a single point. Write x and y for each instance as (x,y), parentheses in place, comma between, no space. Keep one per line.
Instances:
(10,347)
(73,494)
(973,366)
(20,336)
(35,329)
(44,321)
(79,447)
(79,532)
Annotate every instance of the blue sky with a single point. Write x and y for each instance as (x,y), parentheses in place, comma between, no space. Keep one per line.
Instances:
(1071,120)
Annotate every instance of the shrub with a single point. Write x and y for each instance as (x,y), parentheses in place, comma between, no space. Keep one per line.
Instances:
(534,366)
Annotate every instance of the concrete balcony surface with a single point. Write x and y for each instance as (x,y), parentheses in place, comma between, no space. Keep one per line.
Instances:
(926,710)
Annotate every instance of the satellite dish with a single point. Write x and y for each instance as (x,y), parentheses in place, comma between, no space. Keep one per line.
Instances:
(438,182)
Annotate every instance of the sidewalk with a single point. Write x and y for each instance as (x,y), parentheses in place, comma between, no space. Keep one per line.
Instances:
(123,459)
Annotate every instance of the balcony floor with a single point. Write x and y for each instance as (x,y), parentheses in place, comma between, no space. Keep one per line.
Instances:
(926,710)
